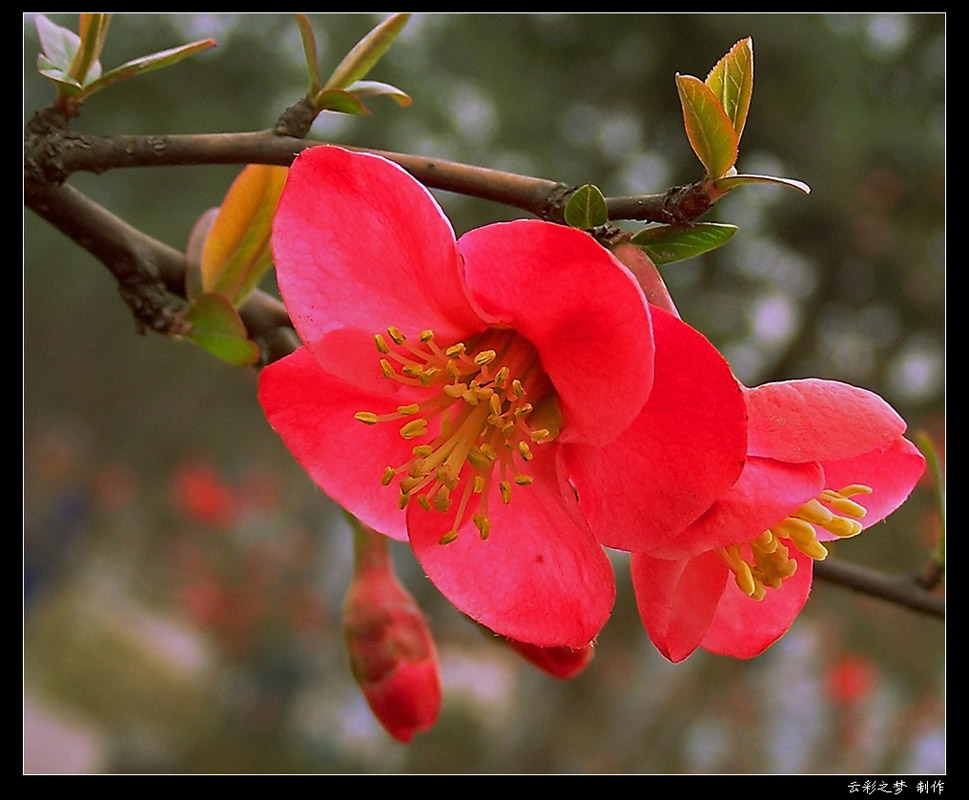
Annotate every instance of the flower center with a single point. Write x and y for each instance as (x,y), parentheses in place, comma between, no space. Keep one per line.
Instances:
(770,563)
(481,407)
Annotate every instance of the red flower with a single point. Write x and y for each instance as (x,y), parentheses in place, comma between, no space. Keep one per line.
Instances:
(486,382)
(825,460)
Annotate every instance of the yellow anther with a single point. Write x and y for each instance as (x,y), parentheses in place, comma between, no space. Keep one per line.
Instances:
(366,417)
(429,374)
(442,499)
(517,388)
(482,523)
(396,335)
(485,357)
(495,402)
(414,428)
(844,505)
(813,511)
(386,369)
(540,435)
(446,476)
(407,410)
(489,451)
(525,451)
(455,350)
(766,542)
(484,393)
(455,389)
(448,537)
(411,482)
(844,528)
(505,488)
(477,459)
(381,344)
(388,476)
(452,369)
(745,578)
(855,489)
(524,480)
(501,377)
(402,501)
(427,335)
(479,484)
(424,503)
(422,450)
(523,410)
(412,370)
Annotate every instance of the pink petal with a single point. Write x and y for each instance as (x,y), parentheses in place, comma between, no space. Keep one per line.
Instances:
(677,599)
(817,420)
(313,413)
(744,628)
(686,448)
(891,473)
(358,243)
(579,307)
(538,578)
(766,492)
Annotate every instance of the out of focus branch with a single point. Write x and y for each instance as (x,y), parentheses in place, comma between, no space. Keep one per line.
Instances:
(902,590)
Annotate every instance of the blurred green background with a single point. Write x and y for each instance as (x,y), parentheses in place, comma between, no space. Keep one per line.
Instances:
(183,577)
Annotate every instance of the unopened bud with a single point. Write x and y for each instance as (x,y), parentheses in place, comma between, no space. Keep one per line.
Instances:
(389,644)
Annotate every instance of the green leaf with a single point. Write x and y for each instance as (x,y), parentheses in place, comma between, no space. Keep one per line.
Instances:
(733,181)
(308,38)
(586,208)
(668,243)
(165,58)
(58,44)
(367,52)
(376,89)
(339,100)
(708,128)
(217,327)
(732,82)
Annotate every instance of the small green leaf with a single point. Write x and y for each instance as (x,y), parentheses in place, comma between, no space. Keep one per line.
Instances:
(339,100)
(732,82)
(668,243)
(377,89)
(217,327)
(586,208)
(733,181)
(49,70)
(367,52)
(708,128)
(308,38)
(193,252)
(165,58)
(58,44)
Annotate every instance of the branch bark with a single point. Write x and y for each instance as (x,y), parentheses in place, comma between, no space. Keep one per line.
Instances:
(56,154)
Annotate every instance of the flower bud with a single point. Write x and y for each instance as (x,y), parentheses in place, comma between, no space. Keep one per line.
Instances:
(389,644)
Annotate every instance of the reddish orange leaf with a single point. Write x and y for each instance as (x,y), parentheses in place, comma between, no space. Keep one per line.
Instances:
(236,252)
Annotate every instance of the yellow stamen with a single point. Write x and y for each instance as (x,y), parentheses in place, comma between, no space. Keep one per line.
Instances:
(366,417)
(414,428)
